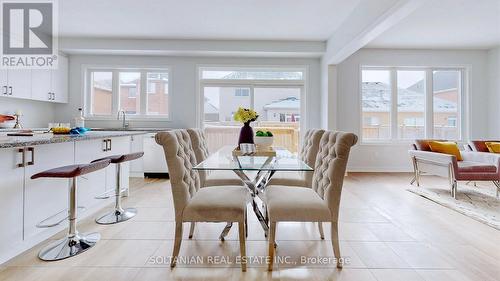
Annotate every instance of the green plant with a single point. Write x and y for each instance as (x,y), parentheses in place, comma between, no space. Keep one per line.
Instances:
(263,134)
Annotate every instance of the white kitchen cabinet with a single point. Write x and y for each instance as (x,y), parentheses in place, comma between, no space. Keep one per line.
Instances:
(93,184)
(154,156)
(15,83)
(51,85)
(19,83)
(45,197)
(117,146)
(41,84)
(137,166)
(4,88)
(11,199)
(60,81)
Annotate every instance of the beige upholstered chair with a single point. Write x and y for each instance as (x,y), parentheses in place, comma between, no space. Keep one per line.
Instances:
(307,153)
(192,204)
(319,203)
(212,178)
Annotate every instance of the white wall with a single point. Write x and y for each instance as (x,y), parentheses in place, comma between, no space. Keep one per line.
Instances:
(394,157)
(494,91)
(36,114)
(184,85)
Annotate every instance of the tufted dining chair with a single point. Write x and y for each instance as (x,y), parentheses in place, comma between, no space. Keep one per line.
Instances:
(321,202)
(212,178)
(195,204)
(308,152)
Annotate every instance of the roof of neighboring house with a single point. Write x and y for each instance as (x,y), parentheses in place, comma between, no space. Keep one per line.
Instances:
(263,75)
(288,103)
(105,85)
(442,81)
(377,98)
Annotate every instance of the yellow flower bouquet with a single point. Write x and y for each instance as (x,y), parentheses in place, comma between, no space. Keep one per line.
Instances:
(245,115)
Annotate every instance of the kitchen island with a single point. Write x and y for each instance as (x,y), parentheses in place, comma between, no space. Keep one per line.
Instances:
(29,206)
(47,138)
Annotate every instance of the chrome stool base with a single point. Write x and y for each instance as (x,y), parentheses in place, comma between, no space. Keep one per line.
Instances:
(69,247)
(117,216)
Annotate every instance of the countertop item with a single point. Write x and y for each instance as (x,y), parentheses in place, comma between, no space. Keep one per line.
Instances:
(21,134)
(47,138)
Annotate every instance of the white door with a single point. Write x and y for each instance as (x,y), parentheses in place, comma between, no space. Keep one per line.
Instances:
(46,197)
(41,86)
(3,83)
(11,199)
(93,184)
(60,81)
(19,83)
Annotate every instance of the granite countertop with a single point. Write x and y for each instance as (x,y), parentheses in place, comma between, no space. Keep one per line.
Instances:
(47,138)
(151,130)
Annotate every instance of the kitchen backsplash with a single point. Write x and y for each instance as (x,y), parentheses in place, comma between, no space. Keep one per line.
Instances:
(36,114)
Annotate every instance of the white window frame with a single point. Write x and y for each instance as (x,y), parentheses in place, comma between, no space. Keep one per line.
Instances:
(252,84)
(115,70)
(463,104)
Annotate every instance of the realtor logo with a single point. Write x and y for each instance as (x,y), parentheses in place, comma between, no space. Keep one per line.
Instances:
(29,34)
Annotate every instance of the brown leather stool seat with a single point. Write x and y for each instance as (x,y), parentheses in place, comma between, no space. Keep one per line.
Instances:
(74,243)
(119,214)
(115,159)
(72,171)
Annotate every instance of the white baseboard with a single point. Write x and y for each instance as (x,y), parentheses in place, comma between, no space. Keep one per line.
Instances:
(136,174)
(380,169)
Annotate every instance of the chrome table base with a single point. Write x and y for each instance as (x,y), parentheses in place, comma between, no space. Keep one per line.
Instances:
(256,187)
(69,247)
(117,216)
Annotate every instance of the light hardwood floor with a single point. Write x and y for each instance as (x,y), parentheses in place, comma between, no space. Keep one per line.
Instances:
(386,233)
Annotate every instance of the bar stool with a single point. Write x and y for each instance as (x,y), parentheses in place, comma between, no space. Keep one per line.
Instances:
(119,214)
(74,243)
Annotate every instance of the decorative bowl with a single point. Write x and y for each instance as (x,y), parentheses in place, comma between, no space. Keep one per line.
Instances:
(263,142)
(7,124)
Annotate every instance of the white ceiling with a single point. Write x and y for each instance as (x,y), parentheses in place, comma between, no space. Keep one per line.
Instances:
(203,19)
(460,24)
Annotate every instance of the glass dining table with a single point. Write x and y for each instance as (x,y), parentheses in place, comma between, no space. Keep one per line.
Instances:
(255,171)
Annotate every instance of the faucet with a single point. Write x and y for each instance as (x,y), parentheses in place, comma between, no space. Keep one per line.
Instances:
(125,123)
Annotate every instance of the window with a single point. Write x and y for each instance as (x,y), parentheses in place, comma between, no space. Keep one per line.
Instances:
(251,74)
(274,93)
(101,97)
(132,92)
(376,104)
(130,100)
(403,103)
(446,101)
(157,93)
(139,92)
(240,92)
(151,87)
(411,104)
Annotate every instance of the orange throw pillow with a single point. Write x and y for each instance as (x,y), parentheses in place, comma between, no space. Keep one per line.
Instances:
(446,147)
(493,147)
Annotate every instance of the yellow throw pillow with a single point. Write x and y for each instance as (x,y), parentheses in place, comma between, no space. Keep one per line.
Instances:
(493,147)
(446,147)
